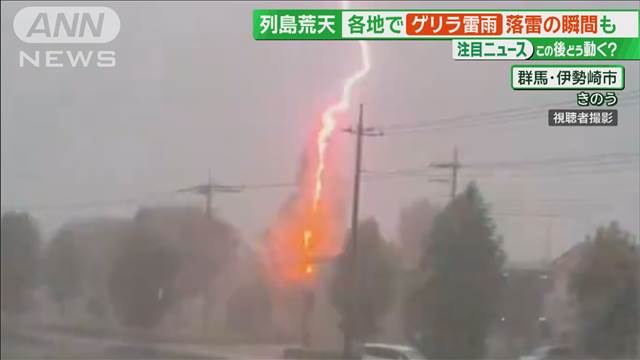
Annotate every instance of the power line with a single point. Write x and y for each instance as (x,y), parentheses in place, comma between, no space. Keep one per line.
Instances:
(498,113)
(371,179)
(590,165)
(605,170)
(564,161)
(270,185)
(502,120)
(588,161)
(89,204)
(505,116)
(426,173)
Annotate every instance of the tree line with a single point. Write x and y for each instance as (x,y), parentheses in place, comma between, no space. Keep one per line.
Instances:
(458,280)
(451,260)
(137,268)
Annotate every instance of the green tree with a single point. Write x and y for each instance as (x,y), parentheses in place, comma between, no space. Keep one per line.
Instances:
(605,284)
(463,266)
(415,222)
(64,270)
(19,252)
(143,278)
(375,285)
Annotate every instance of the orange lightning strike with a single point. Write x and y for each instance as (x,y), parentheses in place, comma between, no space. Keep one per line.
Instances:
(327,129)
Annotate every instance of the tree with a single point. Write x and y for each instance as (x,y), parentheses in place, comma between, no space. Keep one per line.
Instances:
(375,284)
(414,227)
(249,309)
(605,284)
(208,245)
(190,250)
(96,243)
(64,268)
(19,251)
(463,265)
(205,244)
(142,282)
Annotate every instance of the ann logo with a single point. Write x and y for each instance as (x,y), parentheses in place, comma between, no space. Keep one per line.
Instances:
(63,26)
(66,25)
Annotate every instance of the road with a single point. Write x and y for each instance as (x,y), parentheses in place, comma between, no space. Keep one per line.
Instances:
(47,345)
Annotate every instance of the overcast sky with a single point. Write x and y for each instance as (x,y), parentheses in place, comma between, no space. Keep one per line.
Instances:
(193,91)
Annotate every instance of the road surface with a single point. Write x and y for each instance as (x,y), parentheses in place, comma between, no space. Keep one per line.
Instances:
(34,344)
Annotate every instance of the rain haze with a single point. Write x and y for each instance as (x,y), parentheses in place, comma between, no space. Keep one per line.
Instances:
(193,92)
(194,99)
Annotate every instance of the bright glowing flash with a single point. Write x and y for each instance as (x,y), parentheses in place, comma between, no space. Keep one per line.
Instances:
(328,126)
(307,239)
(308,268)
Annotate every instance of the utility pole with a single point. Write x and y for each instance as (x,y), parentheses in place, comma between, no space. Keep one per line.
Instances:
(352,318)
(207,190)
(454,165)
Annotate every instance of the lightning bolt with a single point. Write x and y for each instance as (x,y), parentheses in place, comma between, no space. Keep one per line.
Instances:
(328,126)
(329,119)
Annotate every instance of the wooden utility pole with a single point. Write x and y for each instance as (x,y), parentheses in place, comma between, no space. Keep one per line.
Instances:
(350,323)
(454,165)
(207,190)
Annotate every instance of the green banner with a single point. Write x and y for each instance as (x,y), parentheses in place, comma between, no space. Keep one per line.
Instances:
(297,25)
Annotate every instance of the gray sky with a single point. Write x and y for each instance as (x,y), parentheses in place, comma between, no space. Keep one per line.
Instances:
(192,90)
